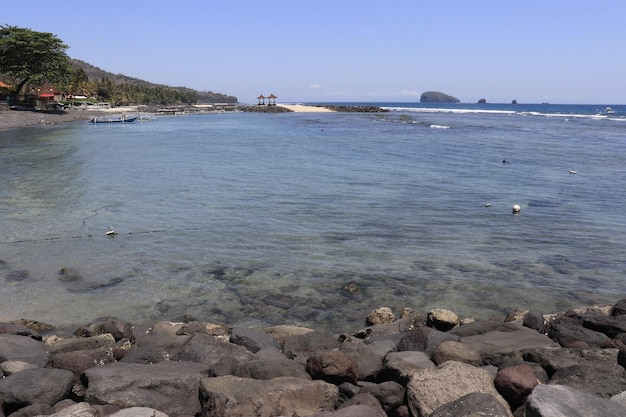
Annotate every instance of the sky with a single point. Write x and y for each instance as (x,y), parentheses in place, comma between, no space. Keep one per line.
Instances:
(557,51)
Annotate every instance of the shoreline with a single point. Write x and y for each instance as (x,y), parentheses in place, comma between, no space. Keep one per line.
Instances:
(422,365)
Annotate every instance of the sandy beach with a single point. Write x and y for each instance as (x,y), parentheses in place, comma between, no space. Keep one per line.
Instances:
(301,108)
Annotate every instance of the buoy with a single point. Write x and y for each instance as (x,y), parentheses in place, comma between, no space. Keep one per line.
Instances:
(487,204)
(573,172)
(110,232)
(516,209)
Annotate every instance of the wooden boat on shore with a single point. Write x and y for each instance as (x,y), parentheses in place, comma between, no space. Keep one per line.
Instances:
(120,119)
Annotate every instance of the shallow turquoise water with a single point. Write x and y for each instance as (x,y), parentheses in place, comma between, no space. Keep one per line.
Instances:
(258,219)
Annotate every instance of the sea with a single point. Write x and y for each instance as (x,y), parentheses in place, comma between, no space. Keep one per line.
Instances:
(315,219)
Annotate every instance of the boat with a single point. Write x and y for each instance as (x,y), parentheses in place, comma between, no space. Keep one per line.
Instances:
(120,119)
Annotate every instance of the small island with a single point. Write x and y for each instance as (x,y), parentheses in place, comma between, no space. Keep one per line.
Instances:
(437,97)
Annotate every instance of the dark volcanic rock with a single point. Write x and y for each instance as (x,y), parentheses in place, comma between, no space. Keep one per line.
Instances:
(170,387)
(38,385)
(516,383)
(561,401)
(23,348)
(334,366)
(474,404)
(569,333)
(619,308)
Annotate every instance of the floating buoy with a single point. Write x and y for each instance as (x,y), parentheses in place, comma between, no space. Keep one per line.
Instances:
(111,232)
(516,209)
(573,172)
(487,204)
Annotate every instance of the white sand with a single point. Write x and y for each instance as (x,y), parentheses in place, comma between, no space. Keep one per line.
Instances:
(301,108)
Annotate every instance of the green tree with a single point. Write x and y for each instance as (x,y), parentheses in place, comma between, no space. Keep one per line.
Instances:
(29,56)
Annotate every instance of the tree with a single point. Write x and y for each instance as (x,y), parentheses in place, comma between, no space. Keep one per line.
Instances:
(29,56)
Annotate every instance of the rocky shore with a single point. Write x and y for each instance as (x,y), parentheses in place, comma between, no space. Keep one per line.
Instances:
(565,365)
(13,119)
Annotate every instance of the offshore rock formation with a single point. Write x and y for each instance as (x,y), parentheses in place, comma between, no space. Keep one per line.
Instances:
(437,97)
(527,364)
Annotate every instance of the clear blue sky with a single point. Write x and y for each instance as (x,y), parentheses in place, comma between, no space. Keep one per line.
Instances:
(557,51)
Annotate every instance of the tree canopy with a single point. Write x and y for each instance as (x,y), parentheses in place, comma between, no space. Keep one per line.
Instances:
(28,56)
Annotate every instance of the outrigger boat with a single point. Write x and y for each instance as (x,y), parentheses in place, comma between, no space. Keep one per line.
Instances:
(121,119)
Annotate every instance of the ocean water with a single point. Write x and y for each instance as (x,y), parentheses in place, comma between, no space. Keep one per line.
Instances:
(314,219)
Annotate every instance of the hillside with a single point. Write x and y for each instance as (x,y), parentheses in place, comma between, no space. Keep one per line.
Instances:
(96,74)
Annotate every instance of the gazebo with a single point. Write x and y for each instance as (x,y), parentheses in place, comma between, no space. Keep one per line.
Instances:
(270,98)
(261,99)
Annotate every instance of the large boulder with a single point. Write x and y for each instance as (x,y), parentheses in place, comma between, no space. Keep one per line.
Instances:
(369,362)
(569,333)
(562,401)
(515,384)
(494,346)
(474,404)
(424,339)
(430,388)
(456,351)
(609,325)
(167,386)
(22,348)
(40,385)
(251,339)
(231,396)
(334,366)
(154,348)
(301,346)
(442,319)
(82,343)
(398,366)
(207,349)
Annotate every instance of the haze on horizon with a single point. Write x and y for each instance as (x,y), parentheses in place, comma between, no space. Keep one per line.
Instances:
(320,51)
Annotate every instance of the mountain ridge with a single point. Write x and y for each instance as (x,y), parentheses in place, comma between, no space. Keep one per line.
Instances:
(95,73)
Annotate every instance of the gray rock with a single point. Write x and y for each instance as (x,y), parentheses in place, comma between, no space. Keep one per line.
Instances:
(389,394)
(252,339)
(601,378)
(334,366)
(209,350)
(363,399)
(430,388)
(620,398)
(534,320)
(37,409)
(398,366)
(401,325)
(18,330)
(456,351)
(357,410)
(120,329)
(442,319)
(22,348)
(40,385)
(619,308)
(138,412)
(562,401)
(230,396)
(82,343)
(424,339)
(12,367)
(300,347)
(382,315)
(555,359)
(474,404)
(170,387)
(369,362)
(77,410)
(609,325)
(569,333)
(80,360)
(495,346)
(483,326)
(268,369)
(154,348)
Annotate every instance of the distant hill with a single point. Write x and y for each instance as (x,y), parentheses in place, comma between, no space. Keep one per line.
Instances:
(437,97)
(95,74)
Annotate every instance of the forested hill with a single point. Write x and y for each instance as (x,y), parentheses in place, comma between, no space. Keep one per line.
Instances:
(98,75)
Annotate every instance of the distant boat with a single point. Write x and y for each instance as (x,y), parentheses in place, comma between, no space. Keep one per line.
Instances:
(608,110)
(120,119)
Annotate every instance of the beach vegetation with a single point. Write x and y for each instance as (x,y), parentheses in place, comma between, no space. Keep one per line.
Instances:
(31,57)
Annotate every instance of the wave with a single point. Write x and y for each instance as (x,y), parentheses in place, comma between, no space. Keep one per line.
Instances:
(510,112)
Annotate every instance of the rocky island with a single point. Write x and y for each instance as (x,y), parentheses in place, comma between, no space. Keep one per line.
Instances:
(437,97)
